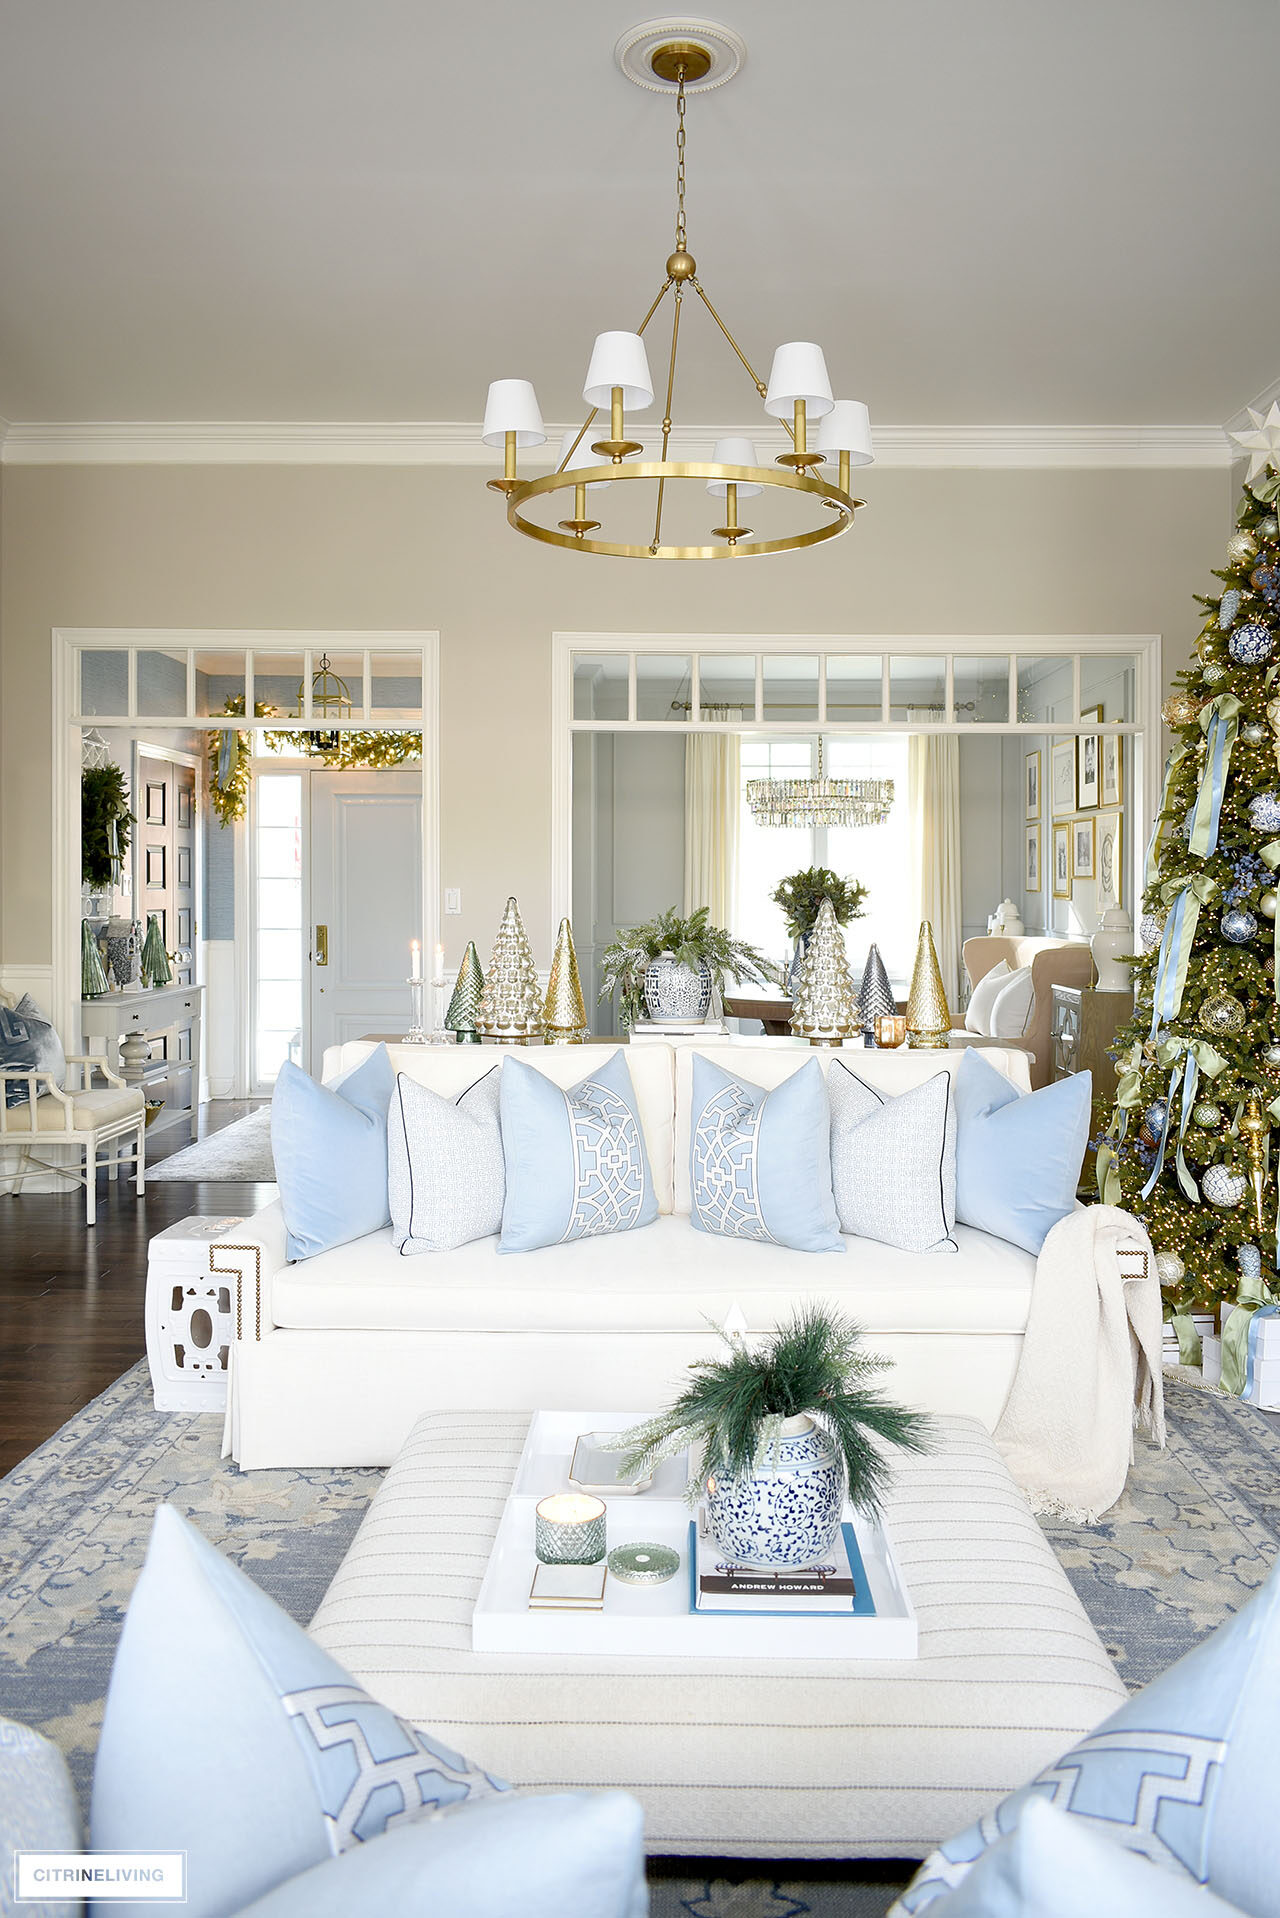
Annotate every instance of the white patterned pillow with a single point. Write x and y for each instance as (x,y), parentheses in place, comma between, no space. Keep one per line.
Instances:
(893,1161)
(982,999)
(445,1177)
(1012,1008)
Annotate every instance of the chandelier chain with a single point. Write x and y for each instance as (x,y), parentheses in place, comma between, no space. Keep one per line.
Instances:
(680,179)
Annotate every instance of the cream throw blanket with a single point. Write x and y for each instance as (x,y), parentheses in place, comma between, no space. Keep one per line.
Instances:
(1090,1367)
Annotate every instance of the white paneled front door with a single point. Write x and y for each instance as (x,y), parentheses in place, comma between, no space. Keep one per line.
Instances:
(366,895)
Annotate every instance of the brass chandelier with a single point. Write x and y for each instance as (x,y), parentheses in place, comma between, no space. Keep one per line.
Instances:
(798,393)
(821,801)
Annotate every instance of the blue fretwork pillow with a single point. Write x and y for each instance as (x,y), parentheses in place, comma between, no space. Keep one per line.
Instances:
(230,1735)
(1184,1774)
(760,1162)
(29,1043)
(576,1163)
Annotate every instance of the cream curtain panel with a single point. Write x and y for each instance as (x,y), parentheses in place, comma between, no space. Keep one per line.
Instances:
(933,797)
(712,797)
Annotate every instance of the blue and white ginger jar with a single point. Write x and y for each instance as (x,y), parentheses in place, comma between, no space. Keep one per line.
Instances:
(787,1512)
(673,991)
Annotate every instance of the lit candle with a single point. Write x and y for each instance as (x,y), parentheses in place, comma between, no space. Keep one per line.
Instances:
(415,959)
(569,1529)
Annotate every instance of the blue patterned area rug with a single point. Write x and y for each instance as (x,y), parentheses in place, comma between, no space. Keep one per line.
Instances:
(1192,1538)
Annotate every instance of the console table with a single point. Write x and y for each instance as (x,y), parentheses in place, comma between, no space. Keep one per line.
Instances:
(126,1023)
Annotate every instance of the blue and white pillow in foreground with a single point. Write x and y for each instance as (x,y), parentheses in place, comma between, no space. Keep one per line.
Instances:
(760,1162)
(1018,1155)
(575,1161)
(1185,1774)
(230,1735)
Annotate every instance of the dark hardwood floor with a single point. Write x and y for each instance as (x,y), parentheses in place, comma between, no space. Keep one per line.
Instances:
(71,1296)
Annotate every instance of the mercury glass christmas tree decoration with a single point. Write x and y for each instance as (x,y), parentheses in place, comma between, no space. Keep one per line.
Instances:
(564,1015)
(510,1002)
(93,980)
(155,960)
(1205,1035)
(826,1008)
(464,1006)
(928,1014)
(875,995)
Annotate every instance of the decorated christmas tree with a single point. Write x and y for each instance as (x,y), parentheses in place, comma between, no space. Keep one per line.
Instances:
(1199,1063)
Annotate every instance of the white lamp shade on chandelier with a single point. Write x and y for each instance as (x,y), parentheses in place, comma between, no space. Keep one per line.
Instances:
(734,452)
(512,407)
(581,455)
(799,372)
(847,429)
(619,359)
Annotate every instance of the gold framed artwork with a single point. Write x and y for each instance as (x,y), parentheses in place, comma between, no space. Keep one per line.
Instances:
(1112,779)
(1082,848)
(1062,776)
(1062,862)
(1109,877)
(1031,785)
(1031,880)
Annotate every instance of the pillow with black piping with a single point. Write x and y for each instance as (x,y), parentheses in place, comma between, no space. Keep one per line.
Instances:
(893,1161)
(445,1176)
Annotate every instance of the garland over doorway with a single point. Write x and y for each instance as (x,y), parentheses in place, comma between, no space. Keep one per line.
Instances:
(231,754)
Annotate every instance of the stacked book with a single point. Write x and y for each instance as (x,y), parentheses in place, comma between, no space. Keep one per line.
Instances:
(838,1585)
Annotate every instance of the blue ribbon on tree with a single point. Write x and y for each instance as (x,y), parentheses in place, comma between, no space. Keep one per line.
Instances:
(1175,953)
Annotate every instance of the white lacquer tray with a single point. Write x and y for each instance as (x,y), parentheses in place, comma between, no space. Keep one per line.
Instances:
(658,1621)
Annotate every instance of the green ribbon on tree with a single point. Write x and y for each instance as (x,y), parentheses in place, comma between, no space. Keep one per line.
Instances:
(1184,897)
(1151,865)
(1219,721)
(1189,1349)
(1235,1333)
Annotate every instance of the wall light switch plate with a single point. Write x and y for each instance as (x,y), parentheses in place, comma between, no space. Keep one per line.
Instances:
(453,899)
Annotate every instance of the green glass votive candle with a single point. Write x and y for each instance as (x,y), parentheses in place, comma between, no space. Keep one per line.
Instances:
(569,1529)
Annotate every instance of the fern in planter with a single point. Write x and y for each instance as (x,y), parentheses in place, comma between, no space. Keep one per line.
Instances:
(731,1414)
(691,942)
(801,893)
(105,820)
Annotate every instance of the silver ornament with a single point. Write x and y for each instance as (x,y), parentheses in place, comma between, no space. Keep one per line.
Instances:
(1238,926)
(1271,1054)
(1253,732)
(1251,644)
(1169,1268)
(1267,902)
(1214,674)
(1269,527)
(1207,1114)
(1229,607)
(1155,1115)
(1223,1187)
(1151,930)
(1240,547)
(1249,1259)
(1222,1015)
(1264,813)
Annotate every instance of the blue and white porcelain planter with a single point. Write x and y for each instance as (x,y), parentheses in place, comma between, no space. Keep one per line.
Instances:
(673,991)
(786,1512)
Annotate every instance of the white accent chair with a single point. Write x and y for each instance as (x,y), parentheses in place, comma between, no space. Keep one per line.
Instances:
(91,1117)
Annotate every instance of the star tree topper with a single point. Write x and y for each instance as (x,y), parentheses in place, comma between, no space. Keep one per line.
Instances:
(1262,443)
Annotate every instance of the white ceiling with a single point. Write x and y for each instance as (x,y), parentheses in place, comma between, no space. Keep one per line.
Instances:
(994,211)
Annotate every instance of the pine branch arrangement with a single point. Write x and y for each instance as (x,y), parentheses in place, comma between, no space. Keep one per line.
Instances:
(692,942)
(801,894)
(731,1413)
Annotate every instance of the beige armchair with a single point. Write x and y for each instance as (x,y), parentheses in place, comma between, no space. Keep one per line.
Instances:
(91,1117)
(1053,962)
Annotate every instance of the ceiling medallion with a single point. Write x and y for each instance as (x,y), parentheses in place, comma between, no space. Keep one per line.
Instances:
(821,801)
(671,56)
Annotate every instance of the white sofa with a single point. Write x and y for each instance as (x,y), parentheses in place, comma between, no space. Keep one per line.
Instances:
(336,1357)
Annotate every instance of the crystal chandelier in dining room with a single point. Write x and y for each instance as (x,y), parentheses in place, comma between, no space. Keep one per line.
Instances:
(820,801)
(679,58)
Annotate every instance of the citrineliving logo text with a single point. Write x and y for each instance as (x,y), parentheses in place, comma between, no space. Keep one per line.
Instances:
(43,1876)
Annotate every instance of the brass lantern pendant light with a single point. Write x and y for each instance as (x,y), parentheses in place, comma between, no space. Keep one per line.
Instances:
(667,58)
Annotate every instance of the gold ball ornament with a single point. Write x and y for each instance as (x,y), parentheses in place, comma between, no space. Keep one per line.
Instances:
(1207,648)
(1268,902)
(1182,709)
(1169,1269)
(1222,1016)
(1241,547)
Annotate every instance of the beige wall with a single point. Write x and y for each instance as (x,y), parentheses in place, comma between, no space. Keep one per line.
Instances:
(365,547)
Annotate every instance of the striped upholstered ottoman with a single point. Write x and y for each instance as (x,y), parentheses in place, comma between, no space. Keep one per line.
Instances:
(782,1759)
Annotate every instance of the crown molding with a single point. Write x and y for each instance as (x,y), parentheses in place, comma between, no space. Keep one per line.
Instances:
(449,443)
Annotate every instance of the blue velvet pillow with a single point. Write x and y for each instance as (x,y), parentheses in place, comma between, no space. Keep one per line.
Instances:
(760,1162)
(1184,1774)
(230,1735)
(575,1161)
(330,1148)
(1018,1155)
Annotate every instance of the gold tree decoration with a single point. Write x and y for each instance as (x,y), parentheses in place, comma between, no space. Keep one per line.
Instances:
(826,1008)
(564,1015)
(511,1004)
(231,754)
(928,1014)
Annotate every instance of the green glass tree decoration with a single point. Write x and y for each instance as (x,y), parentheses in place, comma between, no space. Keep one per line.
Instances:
(156,970)
(464,1005)
(93,980)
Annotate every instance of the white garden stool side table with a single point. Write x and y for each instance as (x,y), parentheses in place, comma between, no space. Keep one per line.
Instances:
(188,1315)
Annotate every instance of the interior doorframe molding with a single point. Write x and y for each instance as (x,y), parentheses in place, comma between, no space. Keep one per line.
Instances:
(1143,729)
(69,642)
